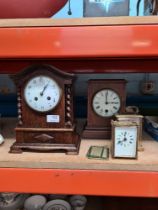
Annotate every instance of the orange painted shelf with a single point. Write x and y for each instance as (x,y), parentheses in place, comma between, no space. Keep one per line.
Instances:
(90,45)
(87,182)
(79,42)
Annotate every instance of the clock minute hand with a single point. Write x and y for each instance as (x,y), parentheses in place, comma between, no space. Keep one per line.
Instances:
(106,98)
(45,87)
(125,138)
(113,102)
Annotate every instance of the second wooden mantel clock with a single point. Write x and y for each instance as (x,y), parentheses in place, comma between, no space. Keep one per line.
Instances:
(45,111)
(105,99)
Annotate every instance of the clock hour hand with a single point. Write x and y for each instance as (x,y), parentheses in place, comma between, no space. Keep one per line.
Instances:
(45,87)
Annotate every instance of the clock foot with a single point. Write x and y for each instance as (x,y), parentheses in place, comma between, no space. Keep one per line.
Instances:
(15,150)
(140,148)
(72,153)
(75,150)
(95,133)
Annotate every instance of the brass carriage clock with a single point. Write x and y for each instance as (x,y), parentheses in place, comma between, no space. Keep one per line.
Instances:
(45,111)
(124,139)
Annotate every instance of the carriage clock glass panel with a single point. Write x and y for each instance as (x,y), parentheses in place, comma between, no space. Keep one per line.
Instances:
(42,93)
(125,142)
(106,103)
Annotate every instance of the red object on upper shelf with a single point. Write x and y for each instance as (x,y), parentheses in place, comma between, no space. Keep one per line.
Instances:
(30,8)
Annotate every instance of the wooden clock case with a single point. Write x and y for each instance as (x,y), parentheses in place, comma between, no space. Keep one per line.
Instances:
(98,127)
(33,132)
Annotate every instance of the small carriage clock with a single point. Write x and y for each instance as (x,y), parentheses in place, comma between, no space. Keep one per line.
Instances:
(124,139)
(105,99)
(137,119)
(45,111)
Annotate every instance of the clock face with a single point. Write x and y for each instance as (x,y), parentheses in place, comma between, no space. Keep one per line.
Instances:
(42,93)
(106,103)
(125,142)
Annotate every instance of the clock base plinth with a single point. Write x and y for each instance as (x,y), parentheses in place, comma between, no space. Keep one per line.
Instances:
(46,141)
(96,133)
(18,148)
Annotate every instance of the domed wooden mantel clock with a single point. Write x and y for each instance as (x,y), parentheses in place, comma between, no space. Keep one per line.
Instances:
(45,111)
(106,98)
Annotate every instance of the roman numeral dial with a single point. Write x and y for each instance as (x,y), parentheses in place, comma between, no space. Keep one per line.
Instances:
(106,103)
(125,141)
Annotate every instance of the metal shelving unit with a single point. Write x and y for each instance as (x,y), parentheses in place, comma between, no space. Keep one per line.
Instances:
(101,45)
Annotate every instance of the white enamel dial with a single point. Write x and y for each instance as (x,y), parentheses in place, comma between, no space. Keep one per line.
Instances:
(125,141)
(42,93)
(106,103)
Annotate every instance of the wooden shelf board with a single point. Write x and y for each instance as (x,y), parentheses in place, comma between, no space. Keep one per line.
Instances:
(52,173)
(92,21)
(147,160)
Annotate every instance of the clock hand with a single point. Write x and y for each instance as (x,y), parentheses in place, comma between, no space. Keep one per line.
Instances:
(120,142)
(125,138)
(106,98)
(112,102)
(45,87)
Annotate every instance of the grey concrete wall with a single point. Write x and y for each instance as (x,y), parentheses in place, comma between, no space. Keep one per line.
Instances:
(133,85)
